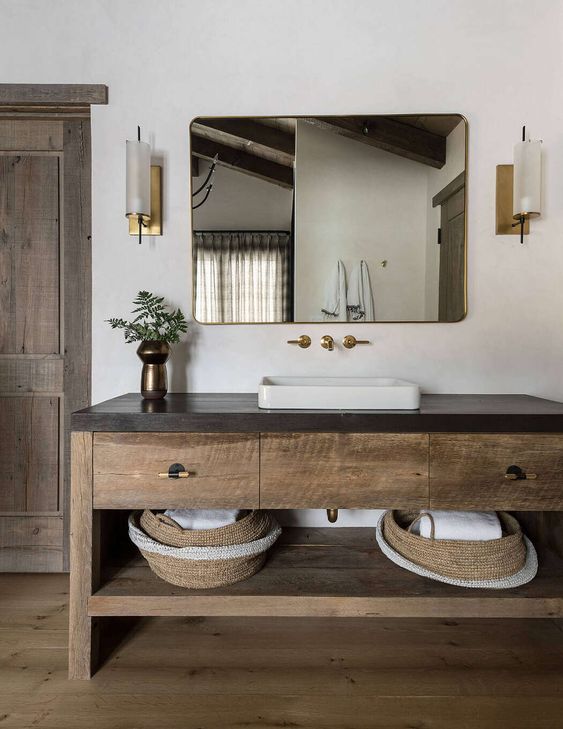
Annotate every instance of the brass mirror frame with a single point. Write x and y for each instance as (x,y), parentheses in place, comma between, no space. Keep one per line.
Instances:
(465,121)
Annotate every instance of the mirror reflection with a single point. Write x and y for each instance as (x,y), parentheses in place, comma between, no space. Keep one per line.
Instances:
(343,219)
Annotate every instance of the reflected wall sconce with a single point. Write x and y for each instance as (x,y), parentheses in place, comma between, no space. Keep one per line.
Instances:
(519,189)
(143,191)
(206,186)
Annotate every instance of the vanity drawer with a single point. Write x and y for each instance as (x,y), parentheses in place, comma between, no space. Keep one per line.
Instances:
(343,470)
(469,472)
(223,469)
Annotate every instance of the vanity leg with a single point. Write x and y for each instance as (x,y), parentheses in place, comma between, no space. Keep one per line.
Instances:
(84,561)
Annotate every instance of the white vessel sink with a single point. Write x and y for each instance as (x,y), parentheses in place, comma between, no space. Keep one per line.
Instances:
(338,393)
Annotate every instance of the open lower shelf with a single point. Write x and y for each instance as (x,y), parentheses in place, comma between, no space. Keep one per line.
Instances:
(326,572)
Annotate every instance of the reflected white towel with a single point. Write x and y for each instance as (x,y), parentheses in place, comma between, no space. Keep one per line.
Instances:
(203,518)
(360,296)
(469,526)
(334,308)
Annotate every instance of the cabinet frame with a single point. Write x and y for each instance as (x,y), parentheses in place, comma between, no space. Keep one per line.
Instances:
(92,597)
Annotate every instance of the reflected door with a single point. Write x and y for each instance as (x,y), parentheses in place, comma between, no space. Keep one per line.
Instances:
(451,306)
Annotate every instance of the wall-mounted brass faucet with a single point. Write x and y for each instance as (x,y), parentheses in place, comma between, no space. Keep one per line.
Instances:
(303,341)
(327,342)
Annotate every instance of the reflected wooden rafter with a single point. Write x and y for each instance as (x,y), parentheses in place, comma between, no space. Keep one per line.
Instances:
(251,136)
(243,161)
(388,134)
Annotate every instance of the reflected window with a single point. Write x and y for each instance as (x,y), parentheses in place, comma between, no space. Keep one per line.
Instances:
(242,276)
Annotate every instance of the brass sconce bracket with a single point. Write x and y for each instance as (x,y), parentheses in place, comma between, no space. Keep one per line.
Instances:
(154,225)
(504,218)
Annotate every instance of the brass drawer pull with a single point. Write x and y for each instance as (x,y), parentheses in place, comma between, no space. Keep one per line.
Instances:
(523,477)
(176,470)
(515,473)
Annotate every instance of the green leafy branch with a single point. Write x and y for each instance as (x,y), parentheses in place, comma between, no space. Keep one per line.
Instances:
(153,321)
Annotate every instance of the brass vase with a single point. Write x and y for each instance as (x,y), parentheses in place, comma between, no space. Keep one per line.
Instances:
(154,380)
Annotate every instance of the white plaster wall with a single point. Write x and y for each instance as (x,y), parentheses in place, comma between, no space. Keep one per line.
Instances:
(355,202)
(167,62)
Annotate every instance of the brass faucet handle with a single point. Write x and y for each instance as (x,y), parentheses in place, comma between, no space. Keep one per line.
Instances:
(303,341)
(327,342)
(350,341)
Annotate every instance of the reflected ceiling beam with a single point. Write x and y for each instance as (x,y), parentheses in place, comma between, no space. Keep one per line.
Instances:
(388,134)
(251,136)
(285,123)
(242,161)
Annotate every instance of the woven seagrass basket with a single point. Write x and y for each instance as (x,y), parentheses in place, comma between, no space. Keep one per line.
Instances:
(491,559)
(204,558)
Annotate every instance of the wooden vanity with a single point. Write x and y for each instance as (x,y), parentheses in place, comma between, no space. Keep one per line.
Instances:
(454,453)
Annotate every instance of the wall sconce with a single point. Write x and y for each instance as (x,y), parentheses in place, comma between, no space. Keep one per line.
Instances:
(143,191)
(519,189)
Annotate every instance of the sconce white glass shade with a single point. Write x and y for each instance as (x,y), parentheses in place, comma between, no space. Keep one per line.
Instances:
(138,180)
(527,179)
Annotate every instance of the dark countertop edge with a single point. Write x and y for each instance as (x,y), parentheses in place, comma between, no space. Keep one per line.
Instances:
(114,416)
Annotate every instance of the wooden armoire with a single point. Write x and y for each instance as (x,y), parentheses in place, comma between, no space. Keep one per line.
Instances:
(45,312)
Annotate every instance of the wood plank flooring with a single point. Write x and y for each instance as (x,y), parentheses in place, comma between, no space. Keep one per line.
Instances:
(218,673)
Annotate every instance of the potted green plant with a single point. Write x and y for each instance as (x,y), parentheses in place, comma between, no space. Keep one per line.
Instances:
(156,327)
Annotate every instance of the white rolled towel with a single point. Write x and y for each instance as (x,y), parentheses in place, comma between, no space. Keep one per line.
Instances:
(203,518)
(469,526)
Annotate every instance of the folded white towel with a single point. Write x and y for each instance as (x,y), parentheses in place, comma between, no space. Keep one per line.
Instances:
(360,296)
(469,526)
(203,518)
(334,307)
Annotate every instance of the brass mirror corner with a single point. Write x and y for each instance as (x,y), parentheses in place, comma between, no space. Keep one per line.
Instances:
(329,219)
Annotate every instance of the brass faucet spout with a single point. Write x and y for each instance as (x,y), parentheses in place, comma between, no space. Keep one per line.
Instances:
(327,342)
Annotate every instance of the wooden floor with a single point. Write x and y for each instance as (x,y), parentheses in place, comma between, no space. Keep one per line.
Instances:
(217,673)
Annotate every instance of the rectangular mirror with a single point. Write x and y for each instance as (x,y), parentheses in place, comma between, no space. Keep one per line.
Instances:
(343,219)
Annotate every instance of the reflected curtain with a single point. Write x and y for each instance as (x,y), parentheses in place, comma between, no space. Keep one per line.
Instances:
(241,276)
